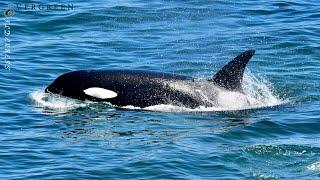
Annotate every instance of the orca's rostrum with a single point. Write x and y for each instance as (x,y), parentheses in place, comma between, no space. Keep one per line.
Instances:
(145,88)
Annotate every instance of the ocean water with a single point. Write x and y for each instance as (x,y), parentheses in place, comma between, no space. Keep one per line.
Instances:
(271,132)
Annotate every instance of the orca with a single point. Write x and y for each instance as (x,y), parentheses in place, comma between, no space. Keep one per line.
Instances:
(146,88)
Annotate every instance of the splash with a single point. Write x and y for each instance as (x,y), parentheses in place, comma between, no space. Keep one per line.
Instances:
(55,102)
(314,166)
(257,93)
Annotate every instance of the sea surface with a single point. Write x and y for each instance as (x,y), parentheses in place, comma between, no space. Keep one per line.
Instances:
(273,132)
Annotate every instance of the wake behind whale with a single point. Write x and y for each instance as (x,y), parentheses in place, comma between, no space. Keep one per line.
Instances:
(227,90)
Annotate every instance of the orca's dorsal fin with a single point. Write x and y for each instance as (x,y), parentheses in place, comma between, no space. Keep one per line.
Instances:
(100,93)
(230,76)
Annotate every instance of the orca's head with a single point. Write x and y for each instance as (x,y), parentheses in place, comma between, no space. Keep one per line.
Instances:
(81,85)
(70,85)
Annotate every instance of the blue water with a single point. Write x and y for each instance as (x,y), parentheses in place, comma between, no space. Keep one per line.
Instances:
(57,139)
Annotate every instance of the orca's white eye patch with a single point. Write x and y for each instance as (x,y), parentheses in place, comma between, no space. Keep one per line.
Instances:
(100,93)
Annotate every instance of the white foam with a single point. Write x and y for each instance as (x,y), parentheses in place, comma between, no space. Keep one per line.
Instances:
(314,166)
(55,102)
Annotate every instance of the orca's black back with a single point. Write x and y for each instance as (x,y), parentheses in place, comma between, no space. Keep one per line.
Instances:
(137,88)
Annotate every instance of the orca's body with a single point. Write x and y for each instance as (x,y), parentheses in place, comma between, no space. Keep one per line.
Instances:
(144,88)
